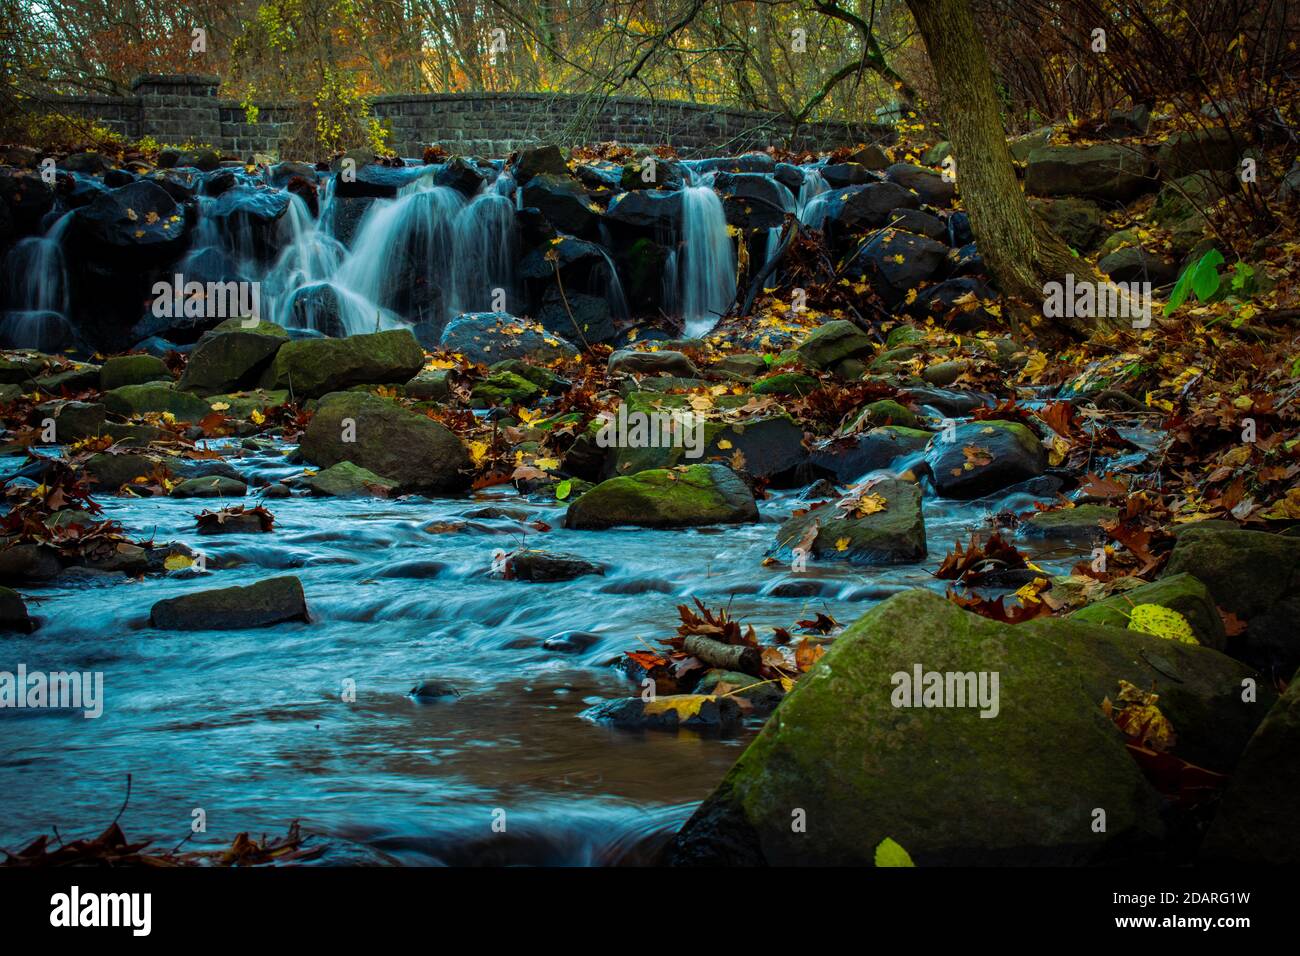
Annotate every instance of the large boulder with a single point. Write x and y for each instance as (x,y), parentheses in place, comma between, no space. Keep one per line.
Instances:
(1106,171)
(132,370)
(490,337)
(312,367)
(898,262)
(893,535)
(1185,153)
(137,225)
(666,498)
(770,447)
(926,183)
(263,604)
(859,208)
(1256,820)
(753,200)
(563,201)
(655,210)
(984,457)
(129,400)
(413,451)
(856,762)
(1254,575)
(346,480)
(833,342)
(231,357)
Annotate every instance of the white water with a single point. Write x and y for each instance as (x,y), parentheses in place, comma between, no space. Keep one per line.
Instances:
(812,199)
(38,304)
(707,265)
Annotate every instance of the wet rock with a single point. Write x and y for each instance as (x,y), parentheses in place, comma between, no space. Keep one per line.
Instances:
(770,447)
(860,766)
(461,176)
(1180,592)
(246,522)
(1256,576)
(74,420)
(273,601)
(534,565)
(668,712)
(1081,523)
(763,696)
(204,468)
(251,213)
(858,208)
(926,183)
(651,210)
(1103,172)
(752,200)
(660,498)
(571,642)
(847,459)
(346,480)
(894,535)
(941,374)
(313,367)
(138,225)
(201,158)
(949,402)
(13,613)
(949,301)
(563,202)
(231,357)
(110,471)
(1255,822)
(743,366)
(489,337)
(842,175)
(372,180)
(408,448)
(630,362)
(131,400)
(897,262)
(536,161)
(132,370)
(984,457)
(29,563)
(833,342)
(433,689)
(919,223)
(582,317)
(214,486)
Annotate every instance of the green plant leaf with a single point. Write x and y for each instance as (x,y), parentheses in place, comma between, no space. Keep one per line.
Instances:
(562,489)
(889,853)
(1205,276)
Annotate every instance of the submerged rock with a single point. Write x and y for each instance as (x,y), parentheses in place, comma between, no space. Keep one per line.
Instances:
(268,602)
(665,498)
(14,618)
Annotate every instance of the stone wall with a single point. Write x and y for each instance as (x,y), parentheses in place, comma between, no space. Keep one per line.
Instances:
(176,109)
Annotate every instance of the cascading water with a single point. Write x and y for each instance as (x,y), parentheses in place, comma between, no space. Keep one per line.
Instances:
(811,205)
(37,280)
(707,264)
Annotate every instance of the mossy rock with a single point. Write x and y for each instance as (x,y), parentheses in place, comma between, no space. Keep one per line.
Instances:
(895,535)
(1181,592)
(412,450)
(830,343)
(904,335)
(504,388)
(787,383)
(863,765)
(227,360)
(543,378)
(111,472)
(313,367)
(132,370)
(695,496)
(1082,522)
(876,414)
(131,400)
(346,480)
(770,446)
(273,601)
(241,405)
(430,385)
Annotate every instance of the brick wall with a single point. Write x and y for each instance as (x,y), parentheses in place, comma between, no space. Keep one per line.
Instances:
(174,109)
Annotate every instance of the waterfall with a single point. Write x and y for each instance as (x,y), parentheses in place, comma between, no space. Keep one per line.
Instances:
(37,280)
(812,200)
(707,265)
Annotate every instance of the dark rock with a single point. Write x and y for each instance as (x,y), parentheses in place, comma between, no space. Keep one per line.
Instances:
(263,604)
(893,535)
(926,183)
(984,457)
(1104,172)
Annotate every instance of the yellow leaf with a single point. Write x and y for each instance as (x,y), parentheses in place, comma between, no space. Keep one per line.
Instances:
(1162,622)
(841,544)
(177,562)
(256,417)
(478,451)
(889,853)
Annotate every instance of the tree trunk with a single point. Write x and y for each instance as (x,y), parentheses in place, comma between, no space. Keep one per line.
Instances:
(1021,252)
